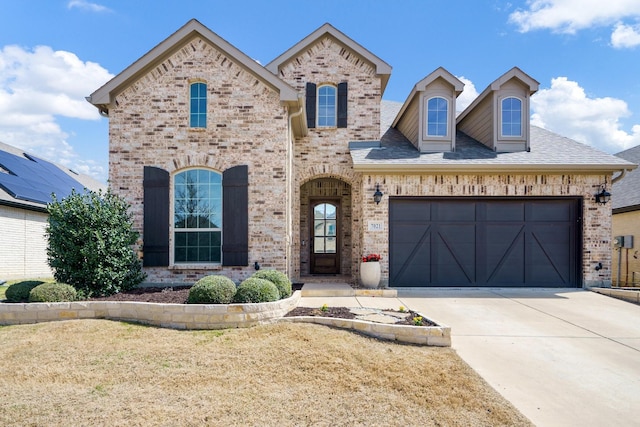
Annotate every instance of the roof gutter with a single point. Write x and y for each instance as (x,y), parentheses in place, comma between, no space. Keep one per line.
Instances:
(489,168)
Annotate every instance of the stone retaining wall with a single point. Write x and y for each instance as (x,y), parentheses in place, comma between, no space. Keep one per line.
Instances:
(174,316)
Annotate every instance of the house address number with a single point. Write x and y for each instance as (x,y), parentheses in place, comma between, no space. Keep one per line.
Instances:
(376,225)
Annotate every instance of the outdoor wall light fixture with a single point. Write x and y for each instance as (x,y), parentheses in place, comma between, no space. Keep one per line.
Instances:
(599,266)
(377,196)
(603,196)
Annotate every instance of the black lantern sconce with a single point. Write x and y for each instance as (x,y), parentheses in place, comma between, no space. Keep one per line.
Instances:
(603,196)
(377,196)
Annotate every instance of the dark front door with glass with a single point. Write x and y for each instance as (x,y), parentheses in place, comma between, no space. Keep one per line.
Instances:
(325,257)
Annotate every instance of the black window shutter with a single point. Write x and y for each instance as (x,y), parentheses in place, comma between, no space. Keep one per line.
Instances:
(156,217)
(311,105)
(235,216)
(342,105)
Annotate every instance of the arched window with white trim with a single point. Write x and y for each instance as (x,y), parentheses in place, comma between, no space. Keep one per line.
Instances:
(327,106)
(437,116)
(511,116)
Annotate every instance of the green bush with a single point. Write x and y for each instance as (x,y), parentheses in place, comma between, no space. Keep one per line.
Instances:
(212,290)
(256,290)
(19,292)
(279,279)
(90,243)
(52,292)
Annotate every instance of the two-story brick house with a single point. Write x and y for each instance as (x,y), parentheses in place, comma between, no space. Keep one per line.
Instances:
(228,163)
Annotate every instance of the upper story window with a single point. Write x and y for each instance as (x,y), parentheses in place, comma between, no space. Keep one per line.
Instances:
(197,216)
(198,105)
(511,116)
(437,116)
(327,106)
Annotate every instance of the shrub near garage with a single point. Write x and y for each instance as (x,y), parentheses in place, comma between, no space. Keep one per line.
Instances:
(19,292)
(278,278)
(212,290)
(256,290)
(53,292)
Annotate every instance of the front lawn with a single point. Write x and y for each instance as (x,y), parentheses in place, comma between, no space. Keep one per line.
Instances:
(99,372)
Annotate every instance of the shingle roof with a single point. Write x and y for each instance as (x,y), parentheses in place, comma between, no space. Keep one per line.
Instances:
(626,192)
(549,152)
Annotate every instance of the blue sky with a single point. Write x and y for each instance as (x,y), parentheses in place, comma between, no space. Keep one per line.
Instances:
(53,53)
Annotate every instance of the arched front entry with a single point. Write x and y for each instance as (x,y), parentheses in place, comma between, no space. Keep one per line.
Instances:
(325,227)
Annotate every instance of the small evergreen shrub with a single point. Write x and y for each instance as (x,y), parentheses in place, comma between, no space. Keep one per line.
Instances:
(256,290)
(19,292)
(212,290)
(52,292)
(278,278)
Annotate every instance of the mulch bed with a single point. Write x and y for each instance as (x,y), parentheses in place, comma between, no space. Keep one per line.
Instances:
(179,295)
(175,295)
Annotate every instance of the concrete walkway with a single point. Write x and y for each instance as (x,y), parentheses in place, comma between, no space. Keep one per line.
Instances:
(562,357)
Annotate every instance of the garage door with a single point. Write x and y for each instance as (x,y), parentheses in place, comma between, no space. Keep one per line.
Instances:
(492,242)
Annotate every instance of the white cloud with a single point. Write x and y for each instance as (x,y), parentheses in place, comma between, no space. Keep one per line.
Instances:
(566,109)
(625,36)
(468,94)
(85,5)
(38,86)
(569,16)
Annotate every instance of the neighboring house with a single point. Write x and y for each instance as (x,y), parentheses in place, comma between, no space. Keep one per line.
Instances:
(229,164)
(626,223)
(26,185)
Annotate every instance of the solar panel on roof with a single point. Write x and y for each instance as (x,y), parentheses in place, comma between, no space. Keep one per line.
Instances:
(35,179)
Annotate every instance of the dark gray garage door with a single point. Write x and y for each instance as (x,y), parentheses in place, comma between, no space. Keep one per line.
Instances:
(493,242)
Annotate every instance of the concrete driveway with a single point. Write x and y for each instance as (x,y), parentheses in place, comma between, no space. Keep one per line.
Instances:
(563,357)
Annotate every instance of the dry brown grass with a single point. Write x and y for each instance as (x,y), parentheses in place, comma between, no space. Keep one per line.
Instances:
(98,372)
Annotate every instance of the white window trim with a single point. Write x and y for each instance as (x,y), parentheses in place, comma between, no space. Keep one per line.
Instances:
(427,135)
(522,124)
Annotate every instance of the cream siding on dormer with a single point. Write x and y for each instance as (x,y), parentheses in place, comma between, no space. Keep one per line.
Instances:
(409,124)
(478,124)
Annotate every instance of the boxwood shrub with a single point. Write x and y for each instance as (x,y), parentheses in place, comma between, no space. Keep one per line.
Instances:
(53,292)
(19,292)
(278,278)
(212,290)
(256,290)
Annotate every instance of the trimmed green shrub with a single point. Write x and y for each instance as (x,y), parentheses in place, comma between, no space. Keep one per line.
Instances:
(278,278)
(19,292)
(212,290)
(256,290)
(91,240)
(52,292)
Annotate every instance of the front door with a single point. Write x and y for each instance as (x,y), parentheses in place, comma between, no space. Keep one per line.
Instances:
(325,254)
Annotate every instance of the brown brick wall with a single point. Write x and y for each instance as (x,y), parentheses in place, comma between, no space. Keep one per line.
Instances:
(245,125)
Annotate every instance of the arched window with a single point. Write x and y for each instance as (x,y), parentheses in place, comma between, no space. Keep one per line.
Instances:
(511,116)
(198,105)
(197,216)
(327,106)
(437,116)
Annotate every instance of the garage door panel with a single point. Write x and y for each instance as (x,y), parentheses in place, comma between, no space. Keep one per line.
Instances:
(407,211)
(486,242)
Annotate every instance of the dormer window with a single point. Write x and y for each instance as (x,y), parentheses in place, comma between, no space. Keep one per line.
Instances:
(511,116)
(437,116)
(198,105)
(327,106)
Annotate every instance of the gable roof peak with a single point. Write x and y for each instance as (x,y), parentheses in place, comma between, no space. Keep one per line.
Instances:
(105,95)
(382,68)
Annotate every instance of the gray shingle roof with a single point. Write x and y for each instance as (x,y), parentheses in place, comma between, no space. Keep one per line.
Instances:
(626,192)
(549,152)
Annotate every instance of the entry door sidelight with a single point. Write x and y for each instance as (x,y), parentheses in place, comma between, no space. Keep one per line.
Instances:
(325,253)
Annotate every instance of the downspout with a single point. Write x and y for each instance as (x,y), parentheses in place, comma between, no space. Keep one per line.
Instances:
(290,191)
(619,177)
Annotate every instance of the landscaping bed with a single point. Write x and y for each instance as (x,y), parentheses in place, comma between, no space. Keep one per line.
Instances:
(170,295)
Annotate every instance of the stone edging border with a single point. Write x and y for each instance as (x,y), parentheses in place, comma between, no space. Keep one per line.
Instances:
(212,316)
(438,336)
